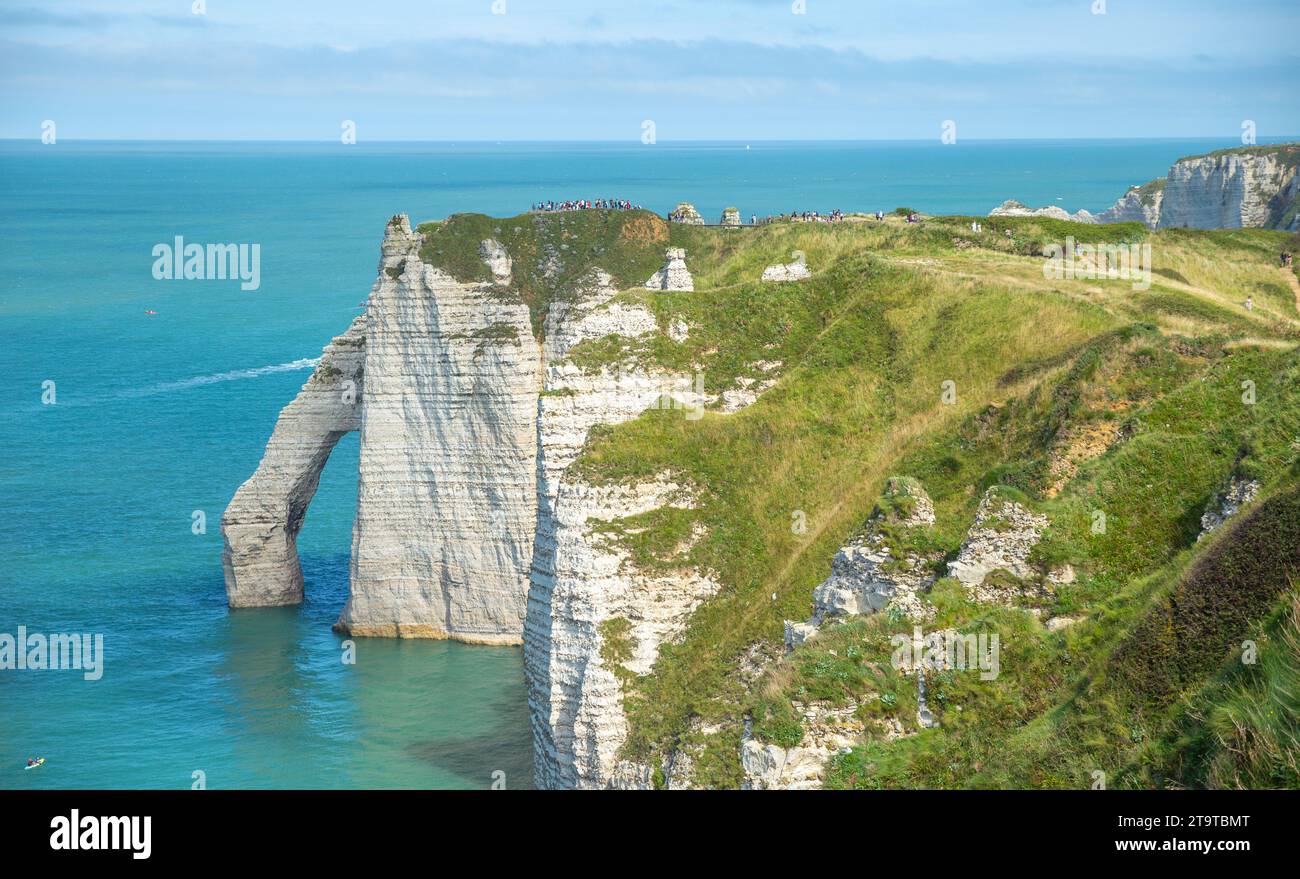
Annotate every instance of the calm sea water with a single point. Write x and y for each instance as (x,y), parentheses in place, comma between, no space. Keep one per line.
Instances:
(161,416)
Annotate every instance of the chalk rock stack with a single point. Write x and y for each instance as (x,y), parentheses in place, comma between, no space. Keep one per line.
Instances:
(730,217)
(674,275)
(685,212)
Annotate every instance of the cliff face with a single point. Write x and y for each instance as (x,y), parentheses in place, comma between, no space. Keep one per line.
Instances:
(446,493)
(498,503)
(1252,187)
(1141,204)
(585,594)
(469,518)
(1230,191)
(447,499)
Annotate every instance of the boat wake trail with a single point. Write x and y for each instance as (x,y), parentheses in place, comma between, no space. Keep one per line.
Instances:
(233,375)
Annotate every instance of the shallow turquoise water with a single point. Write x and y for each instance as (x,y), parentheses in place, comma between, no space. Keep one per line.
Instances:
(160,416)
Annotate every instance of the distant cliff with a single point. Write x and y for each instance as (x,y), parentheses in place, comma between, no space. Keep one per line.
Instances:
(1247,187)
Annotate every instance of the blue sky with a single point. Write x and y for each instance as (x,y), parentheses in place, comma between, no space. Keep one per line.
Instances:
(701,69)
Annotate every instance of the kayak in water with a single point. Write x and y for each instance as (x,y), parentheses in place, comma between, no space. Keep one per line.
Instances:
(35,764)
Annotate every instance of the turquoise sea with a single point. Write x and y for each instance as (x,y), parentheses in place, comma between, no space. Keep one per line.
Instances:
(159,416)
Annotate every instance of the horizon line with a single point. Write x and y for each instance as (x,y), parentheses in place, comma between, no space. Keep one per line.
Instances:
(634,141)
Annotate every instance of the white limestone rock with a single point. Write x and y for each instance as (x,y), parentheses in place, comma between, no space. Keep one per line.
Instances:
(498,261)
(260,526)
(749,388)
(827,730)
(730,217)
(1013,208)
(1056,624)
(686,213)
(674,275)
(1240,189)
(447,489)
(865,575)
(793,271)
(1249,187)
(1001,538)
(582,580)
(797,633)
(1141,204)
(1227,503)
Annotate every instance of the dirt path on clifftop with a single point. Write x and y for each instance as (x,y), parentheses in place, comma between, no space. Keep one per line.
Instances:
(1295,286)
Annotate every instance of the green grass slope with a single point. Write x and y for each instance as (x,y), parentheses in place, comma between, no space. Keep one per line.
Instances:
(1078,396)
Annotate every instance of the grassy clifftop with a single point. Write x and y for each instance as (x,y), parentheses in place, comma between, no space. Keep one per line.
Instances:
(1076,395)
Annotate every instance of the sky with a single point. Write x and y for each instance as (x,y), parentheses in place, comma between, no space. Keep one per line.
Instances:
(697,69)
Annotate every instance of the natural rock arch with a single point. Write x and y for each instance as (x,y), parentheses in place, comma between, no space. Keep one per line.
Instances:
(260,526)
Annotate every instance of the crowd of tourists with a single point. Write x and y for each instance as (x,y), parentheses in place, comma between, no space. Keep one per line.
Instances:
(834,216)
(584,204)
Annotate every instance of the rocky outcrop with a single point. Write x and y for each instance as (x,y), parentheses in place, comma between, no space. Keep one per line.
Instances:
(1013,208)
(750,387)
(870,572)
(594,618)
(447,491)
(1141,204)
(828,730)
(685,212)
(1001,539)
(730,217)
(260,527)
(674,275)
(792,271)
(1227,503)
(498,261)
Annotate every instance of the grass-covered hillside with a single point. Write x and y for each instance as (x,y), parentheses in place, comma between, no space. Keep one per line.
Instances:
(1078,396)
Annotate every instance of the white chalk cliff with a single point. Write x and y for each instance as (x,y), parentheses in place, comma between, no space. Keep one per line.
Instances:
(446,503)
(1141,204)
(1240,189)
(446,495)
(1246,187)
(581,582)
(471,523)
